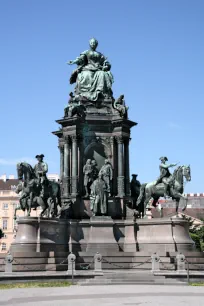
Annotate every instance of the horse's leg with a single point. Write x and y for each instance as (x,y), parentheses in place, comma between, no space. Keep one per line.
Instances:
(178,198)
(49,209)
(17,208)
(146,201)
(155,200)
(55,207)
(43,205)
(177,205)
(30,204)
(184,208)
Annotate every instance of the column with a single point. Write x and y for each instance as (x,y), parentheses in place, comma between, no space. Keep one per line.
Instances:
(66,167)
(80,165)
(121,192)
(127,167)
(74,165)
(114,164)
(61,148)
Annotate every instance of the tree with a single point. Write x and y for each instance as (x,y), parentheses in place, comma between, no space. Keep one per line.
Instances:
(196,233)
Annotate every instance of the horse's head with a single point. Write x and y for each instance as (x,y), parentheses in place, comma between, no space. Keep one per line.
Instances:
(187,172)
(182,171)
(19,168)
(25,170)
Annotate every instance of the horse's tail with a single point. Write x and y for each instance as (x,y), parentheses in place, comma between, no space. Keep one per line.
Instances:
(141,197)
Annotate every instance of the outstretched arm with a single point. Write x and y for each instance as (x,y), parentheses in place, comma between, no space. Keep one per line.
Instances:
(165,166)
(78,61)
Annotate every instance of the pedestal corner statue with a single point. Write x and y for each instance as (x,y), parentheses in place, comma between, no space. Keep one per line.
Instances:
(36,190)
(88,210)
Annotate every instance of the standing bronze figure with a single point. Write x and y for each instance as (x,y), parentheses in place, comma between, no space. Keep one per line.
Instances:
(107,173)
(88,177)
(98,197)
(135,189)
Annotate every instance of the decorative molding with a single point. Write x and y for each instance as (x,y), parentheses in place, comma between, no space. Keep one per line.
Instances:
(67,139)
(76,137)
(61,148)
(112,139)
(119,139)
(127,140)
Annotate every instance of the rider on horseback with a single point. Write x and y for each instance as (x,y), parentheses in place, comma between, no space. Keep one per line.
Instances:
(165,175)
(40,169)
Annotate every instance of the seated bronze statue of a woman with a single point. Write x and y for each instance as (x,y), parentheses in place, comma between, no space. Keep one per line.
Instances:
(92,76)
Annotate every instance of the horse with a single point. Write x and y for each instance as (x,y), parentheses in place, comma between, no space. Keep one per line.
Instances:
(24,201)
(31,191)
(150,190)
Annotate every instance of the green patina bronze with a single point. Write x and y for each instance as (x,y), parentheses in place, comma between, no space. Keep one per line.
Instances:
(167,184)
(92,76)
(36,190)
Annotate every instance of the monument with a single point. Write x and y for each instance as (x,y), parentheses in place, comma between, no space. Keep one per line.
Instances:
(88,210)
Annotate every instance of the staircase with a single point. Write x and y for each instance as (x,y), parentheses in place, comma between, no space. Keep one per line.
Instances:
(131,278)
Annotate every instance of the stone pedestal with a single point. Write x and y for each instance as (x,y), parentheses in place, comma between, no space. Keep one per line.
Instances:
(102,133)
(164,234)
(118,240)
(101,235)
(130,239)
(41,235)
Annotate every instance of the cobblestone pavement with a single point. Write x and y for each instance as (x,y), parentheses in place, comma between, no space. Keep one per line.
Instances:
(127,295)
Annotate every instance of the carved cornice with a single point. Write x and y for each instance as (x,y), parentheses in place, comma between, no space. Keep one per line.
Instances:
(127,140)
(61,148)
(112,139)
(119,139)
(67,139)
(76,138)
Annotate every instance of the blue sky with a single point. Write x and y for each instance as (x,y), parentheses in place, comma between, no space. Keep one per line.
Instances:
(156,50)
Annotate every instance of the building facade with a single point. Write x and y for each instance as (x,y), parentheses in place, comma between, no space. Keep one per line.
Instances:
(8,203)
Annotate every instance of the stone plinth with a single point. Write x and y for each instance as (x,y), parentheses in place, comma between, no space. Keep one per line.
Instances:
(164,234)
(101,235)
(155,235)
(44,244)
(41,235)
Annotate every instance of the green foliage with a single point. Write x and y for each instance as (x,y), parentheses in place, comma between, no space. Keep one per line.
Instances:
(196,239)
(36,285)
(196,233)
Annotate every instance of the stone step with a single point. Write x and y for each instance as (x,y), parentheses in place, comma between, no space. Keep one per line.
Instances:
(122,259)
(39,260)
(123,254)
(90,282)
